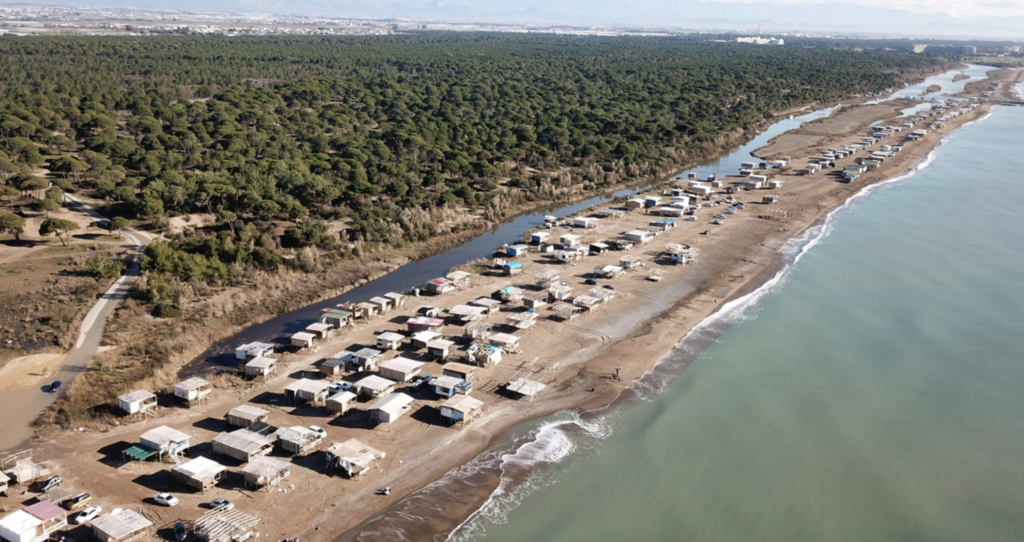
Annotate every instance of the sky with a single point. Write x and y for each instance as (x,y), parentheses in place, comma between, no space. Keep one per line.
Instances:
(956,8)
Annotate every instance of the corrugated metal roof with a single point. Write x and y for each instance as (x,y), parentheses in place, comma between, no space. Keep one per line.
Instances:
(45,511)
(375,383)
(342,397)
(401,364)
(193,383)
(247,412)
(244,441)
(307,385)
(390,336)
(393,404)
(163,435)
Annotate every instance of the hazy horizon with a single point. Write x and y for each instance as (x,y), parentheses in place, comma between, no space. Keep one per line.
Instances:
(926,18)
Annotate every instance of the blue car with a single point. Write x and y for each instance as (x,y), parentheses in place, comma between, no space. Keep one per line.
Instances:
(52,388)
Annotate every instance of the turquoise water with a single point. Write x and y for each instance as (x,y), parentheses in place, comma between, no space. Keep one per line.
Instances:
(875,393)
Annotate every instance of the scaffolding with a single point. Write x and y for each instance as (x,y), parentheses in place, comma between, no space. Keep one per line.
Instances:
(566,312)
(522,320)
(223,525)
(546,279)
(21,469)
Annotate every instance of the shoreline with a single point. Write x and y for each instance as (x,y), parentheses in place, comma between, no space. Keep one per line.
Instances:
(761,282)
(680,311)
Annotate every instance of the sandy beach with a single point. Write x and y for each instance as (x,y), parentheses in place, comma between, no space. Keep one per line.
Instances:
(574,359)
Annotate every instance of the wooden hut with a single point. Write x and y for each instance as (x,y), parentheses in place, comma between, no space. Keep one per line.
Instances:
(353,457)
(400,369)
(199,473)
(461,279)
(320,330)
(302,340)
(306,390)
(397,300)
(461,409)
(482,354)
(166,441)
(338,318)
(121,525)
(389,340)
(364,359)
(136,402)
(246,415)
(242,445)
(522,320)
(421,323)
(374,386)
(447,386)
(490,305)
(440,286)
(477,330)
(365,310)
(383,304)
(193,391)
(260,367)
(266,471)
(334,366)
(35,523)
(341,402)
(390,408)
(298,440)
(507,342)
(440,348)
(460,370)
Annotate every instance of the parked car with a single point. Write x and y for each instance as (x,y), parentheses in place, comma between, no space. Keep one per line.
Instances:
(79,501)
(591,282)
(180,533)
(88,514)
(338,387)
(720,216)
(420,382)
(691,219)
(56,385)
(318,430)
(609,287)
(166,499)
(221,502)
(50,483)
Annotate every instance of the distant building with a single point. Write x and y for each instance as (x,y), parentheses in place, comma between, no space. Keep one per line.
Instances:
(946,49)
(758,40)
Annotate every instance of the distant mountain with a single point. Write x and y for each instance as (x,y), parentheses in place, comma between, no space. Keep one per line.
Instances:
(827,18)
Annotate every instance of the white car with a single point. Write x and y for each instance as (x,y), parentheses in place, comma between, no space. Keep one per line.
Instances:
(691,219)
(318,430)
(166,499)
(88,514)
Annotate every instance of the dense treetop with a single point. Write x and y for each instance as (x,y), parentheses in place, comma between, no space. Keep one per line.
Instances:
(380,130)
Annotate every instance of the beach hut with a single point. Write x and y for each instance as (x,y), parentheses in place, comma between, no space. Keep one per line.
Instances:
(512,269)
(390,408)
(374,386)
(421,339)
(121,525)
(365,310)
(199,473)
(400,369)
(389,340)
(461,409)
(440,286)
(136,402)
(266,472)
(638,236)
(634,204)
(338,318)
(421,323)
(33,523)
(297,440)
(483,354)
(320,330)
(305,390)
(246,415)
(353,457)
(165,441)
(364,359)
(253,350)
(505,341)
(193,391)
(302,340)
(242,445)
(525,387)
(341,402)
(447,386)
(439,348)
(539,237)
(383,304)
(460,370)
(334,366)
(397,299)
(569,239)
(260,367)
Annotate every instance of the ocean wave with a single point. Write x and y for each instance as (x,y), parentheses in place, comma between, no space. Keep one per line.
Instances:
(557,440)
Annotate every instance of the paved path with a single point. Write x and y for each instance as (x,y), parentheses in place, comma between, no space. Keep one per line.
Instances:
(22,407)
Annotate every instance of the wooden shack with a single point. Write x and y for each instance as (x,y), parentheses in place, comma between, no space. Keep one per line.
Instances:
(365,310)
(461,279)
(199,473)
(334,366)
(302,340)
(482,354)
(166,442)
(193,391)
(242,445)
(341,402)
(374,386)
(440,348)
(246,415)
(298,440)
(266,472)
(440,286)
(522,320)
(460,370)
(136,402)
(490,305)
(477,330)
(364,359)
(121,525)
(421,323)
(338,318)
(260,367)
(400,369)
(306,390)
(389,340)
(383,304)
(392,407)
(461,409)
(447,386)
(397,300)
(320,330)
(506,341)
(353,457)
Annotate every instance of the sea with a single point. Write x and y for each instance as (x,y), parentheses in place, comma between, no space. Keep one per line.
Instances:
(872,390)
